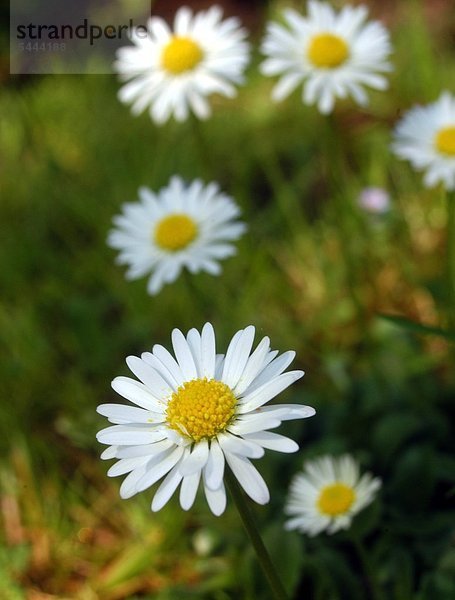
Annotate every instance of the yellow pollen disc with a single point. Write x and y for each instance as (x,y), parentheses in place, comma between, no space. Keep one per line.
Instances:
(175,232)
(335,499)
(181,54)
(201,408)
(327,51)
(445,140)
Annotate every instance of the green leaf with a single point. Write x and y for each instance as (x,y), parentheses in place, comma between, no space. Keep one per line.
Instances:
(286,553)
(415,327)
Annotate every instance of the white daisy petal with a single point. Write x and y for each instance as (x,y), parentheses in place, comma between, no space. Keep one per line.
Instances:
(188,490)
(268,391)
(125,465)
(249,478)
(110,452)
(237,356)
(253,423)
(154,362)
(208,352)
(149,377)
(237,445)
(286,412)
(158,466)
(183,355)
(130,434)
(194,342)
(167,488)
(216,499)
(121,414)
(169,363)
(273,441)
(214,469)
(274,367)
(136,392)
(128,487)
(253,367)
(144,449)
(196,460)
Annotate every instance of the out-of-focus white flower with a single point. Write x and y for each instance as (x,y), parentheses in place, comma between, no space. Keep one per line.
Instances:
(196,412)
(425,137)
(333,54)
(173,72)
(327,495)
(179,227)
(374,200)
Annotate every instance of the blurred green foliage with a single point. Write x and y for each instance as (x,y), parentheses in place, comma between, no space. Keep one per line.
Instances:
(314,273)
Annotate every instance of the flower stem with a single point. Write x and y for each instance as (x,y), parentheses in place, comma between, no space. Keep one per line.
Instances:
(261,551)
(202,149)
(451,256)
(337,178)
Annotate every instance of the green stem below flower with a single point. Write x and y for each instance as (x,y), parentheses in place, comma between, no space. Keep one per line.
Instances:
(261,551)
(451,257)
(336,174)
(375,593)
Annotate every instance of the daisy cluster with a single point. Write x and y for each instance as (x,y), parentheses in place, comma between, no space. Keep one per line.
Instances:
(196,412)
(329,54)
(174,70)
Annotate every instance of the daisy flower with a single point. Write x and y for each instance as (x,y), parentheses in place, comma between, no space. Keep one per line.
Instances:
(333,54)
(374,200)
(426,137)
(327,495)
(174,71)
(196,412)
(180,226)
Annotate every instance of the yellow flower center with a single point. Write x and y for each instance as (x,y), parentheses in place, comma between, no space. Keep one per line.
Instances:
(175,232)
(445,140)
(201,408)
(335,499)
(181,54)
(327,51)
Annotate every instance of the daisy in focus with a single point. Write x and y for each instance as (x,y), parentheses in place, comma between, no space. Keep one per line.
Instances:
(333,54)
(328,494)
(196,412)
(425,137)
(182,226)
(174,71)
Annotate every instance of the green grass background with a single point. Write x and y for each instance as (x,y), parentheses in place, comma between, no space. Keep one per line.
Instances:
(313,272)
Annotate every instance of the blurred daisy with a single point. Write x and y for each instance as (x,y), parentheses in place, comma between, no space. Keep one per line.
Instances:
(180,226)
(328,494)
(374,200)
(174,71)
(196,412)
(426,137)
(333,54)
